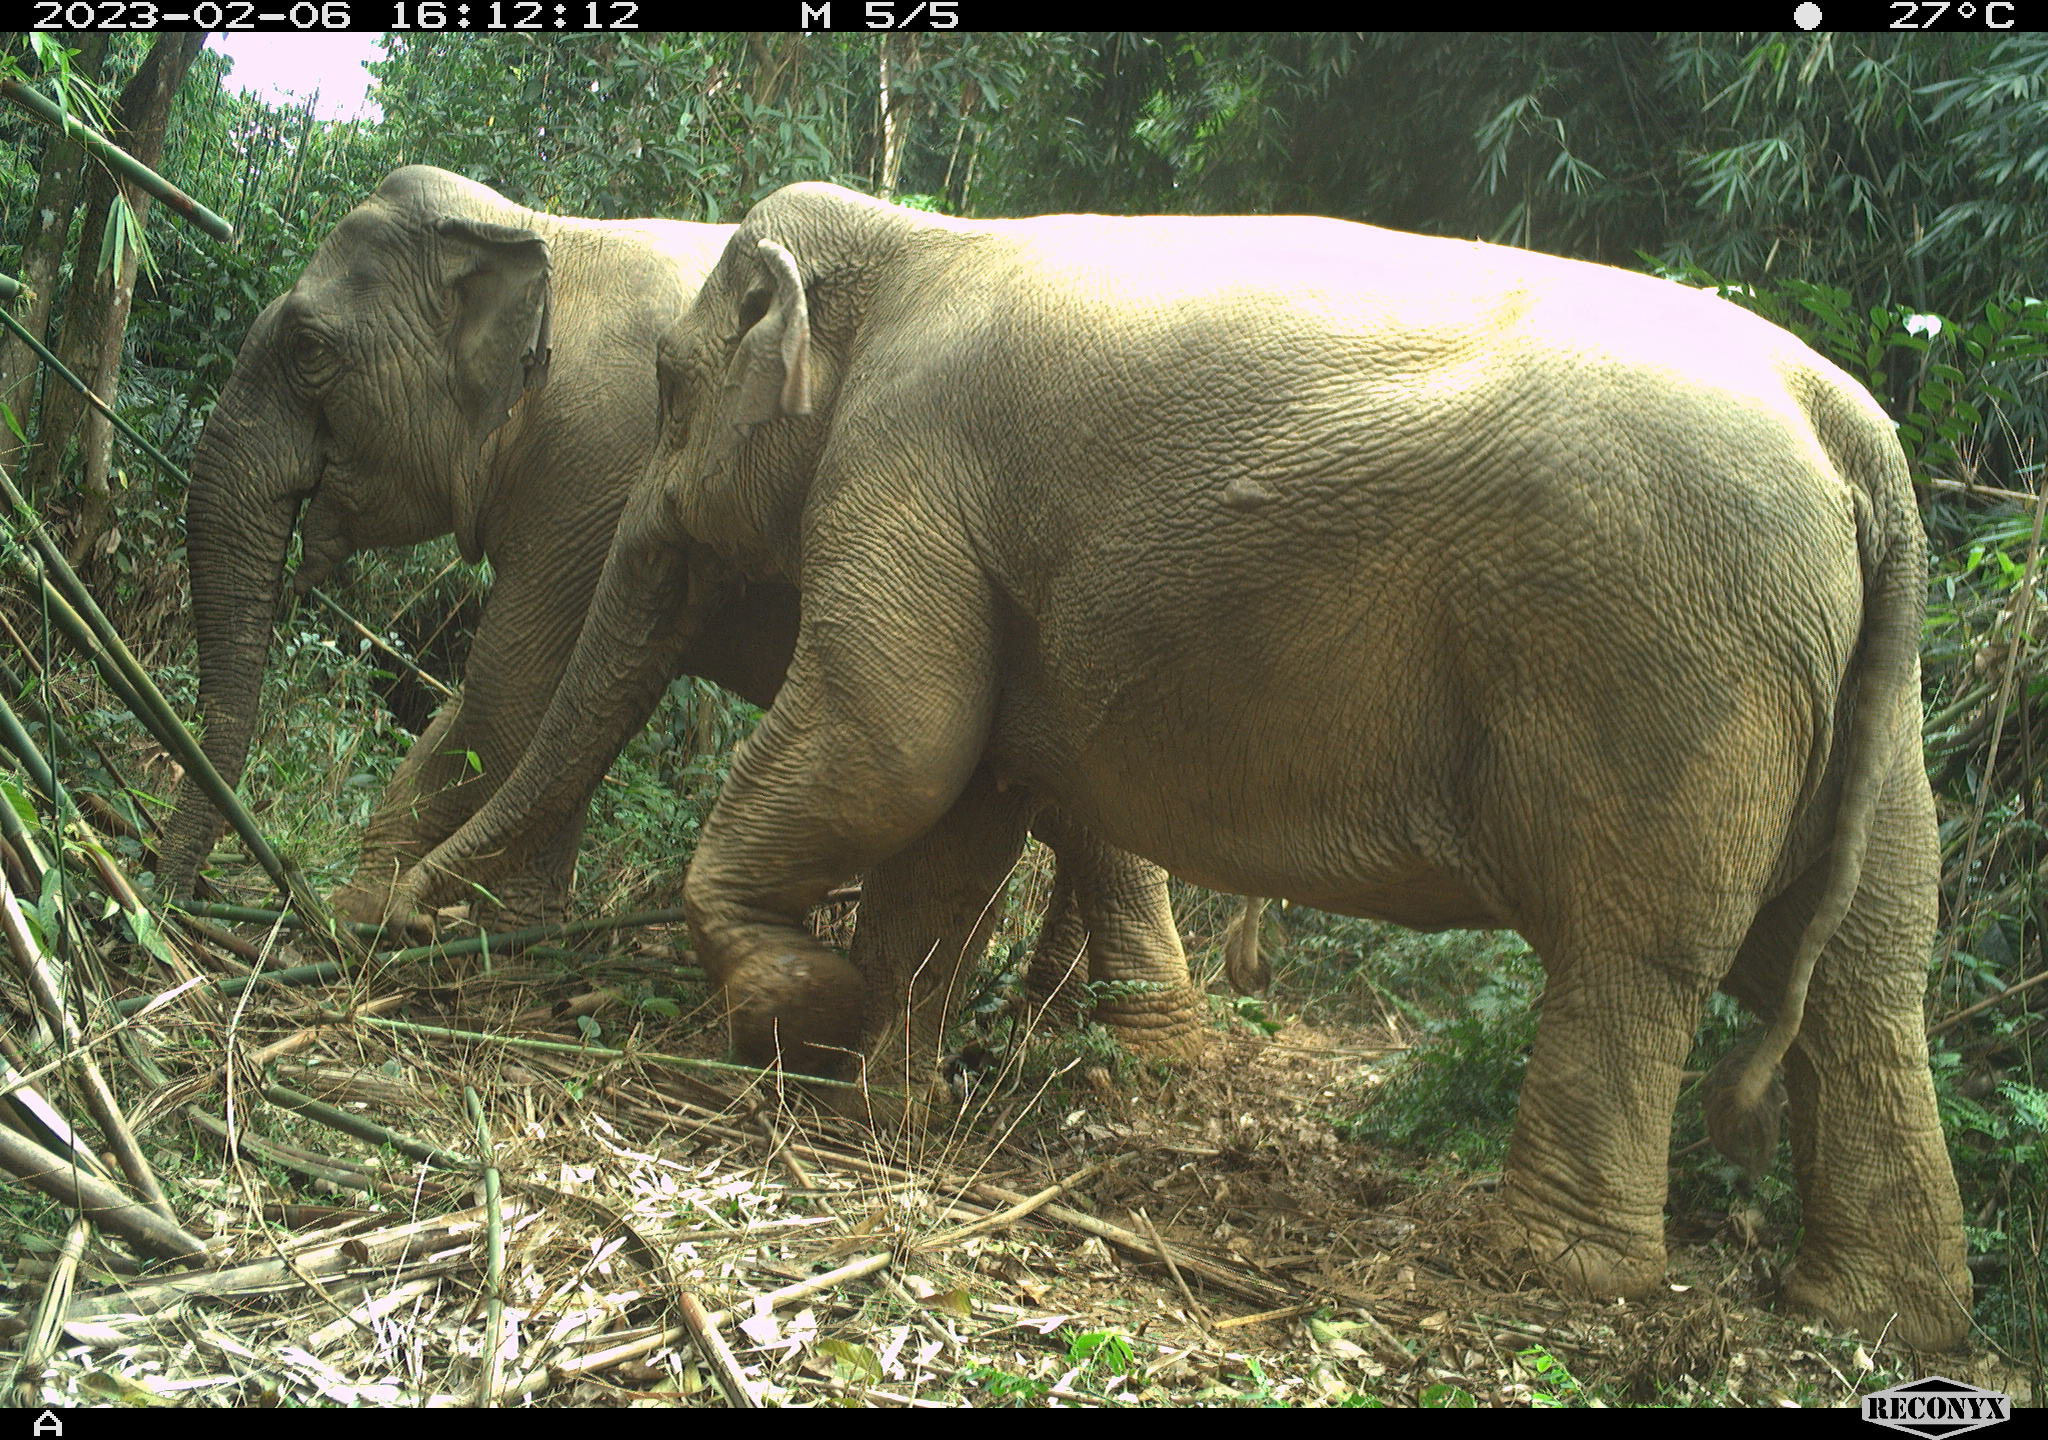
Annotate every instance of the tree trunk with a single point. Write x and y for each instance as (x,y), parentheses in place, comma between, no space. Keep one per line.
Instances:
(96,312)
(895,120)
(42,253)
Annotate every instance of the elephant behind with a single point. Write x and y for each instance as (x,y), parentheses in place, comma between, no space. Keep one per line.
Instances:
(448,362)
(1430,581)
(452,362)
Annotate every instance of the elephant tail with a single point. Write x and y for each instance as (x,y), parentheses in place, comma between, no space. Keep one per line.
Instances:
(1743,1095)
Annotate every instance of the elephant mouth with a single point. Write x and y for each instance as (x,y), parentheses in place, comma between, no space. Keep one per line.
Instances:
(325,526)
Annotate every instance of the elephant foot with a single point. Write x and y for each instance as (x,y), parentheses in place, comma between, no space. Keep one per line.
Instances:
(1600,1259)
(522,902)
(1921,1315)
(800,1010)
(393,906)
(363,901)
(1173,1034)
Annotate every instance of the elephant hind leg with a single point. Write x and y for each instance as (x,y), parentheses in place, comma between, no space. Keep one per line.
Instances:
(1054,981)
(1586,1170)
(1137,969)
(926,914)
(1882,1239)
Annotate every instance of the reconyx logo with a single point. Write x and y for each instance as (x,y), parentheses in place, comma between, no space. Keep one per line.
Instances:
(1936,1406)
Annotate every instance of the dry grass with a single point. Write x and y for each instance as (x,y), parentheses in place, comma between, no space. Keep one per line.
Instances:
(842,1266)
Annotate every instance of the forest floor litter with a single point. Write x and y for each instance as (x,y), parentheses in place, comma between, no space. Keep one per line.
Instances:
(1094,1234)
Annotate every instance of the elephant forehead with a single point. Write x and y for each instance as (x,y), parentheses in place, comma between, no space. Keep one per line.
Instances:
(367,251)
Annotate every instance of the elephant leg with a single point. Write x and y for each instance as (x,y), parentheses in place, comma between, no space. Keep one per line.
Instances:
(926,914)
(1882,1244)
(1054,980)
(523,641)
(392,840)
(1135,961)
(876,732)
(1586,1169)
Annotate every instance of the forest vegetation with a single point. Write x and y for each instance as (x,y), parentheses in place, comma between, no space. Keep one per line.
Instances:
(1884,197)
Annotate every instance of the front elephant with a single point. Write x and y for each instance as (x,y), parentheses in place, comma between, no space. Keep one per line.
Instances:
(1430,581)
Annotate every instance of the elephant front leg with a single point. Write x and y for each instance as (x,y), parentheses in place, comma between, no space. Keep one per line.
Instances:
(876,733)
(522,644)
(402,827)
(442,781)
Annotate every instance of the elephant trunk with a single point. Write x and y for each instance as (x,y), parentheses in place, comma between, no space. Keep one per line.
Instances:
(638,628)
(239,518)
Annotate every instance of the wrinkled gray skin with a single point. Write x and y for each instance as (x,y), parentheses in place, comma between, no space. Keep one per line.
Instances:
(1438,582)
(376,394)
(450,361)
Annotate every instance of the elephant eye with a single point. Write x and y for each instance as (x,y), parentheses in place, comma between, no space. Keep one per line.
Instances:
(315,356)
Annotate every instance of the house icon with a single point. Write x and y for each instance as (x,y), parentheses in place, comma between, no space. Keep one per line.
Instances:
(48,1424)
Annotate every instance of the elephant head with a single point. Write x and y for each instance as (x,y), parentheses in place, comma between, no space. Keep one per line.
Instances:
(359,408)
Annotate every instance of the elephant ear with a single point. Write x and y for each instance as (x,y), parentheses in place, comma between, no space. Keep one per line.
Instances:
(770,376)
(497,278)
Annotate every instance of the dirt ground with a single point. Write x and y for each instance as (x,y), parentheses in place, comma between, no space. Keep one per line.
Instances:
(1211,1239)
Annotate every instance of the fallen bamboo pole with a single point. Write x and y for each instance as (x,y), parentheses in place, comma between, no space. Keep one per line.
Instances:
(98,1201)
(99,1095)
(82,619)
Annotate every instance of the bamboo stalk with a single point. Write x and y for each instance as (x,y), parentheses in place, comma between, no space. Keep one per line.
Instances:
(34,1115)
(48,1324)
(494,1256)
(1209,1274)
(271,1153)
(100,1202)
(362,1129)
(22,844)
(118,160)
(1989,492)
(1165,1254)
(392,1247)
(431,682)
(718,1319)
(14,735)
(650,1057)
(122,690)
(234,985)
(366,1312)
(718,1356)
(81,618)
(1987,1002)
(63,372)
(99,1095)
(332,969)
(1003,1219)
(260,915)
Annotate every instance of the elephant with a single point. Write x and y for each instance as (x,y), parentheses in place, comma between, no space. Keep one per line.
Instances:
(1437,582)
(448,361)
(451,361)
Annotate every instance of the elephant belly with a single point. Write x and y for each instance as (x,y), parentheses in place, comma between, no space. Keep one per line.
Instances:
(1283,817)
